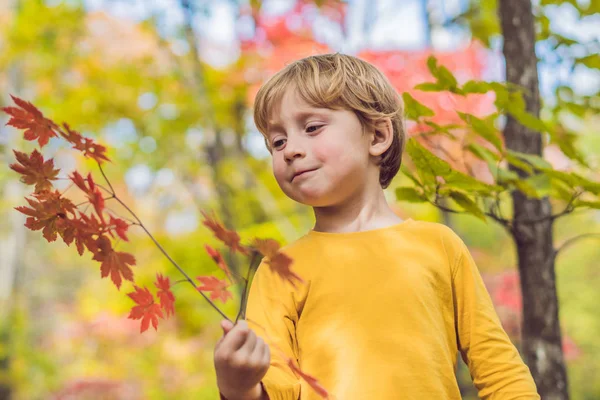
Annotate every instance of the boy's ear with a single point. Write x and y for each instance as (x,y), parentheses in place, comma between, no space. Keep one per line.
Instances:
(382,137)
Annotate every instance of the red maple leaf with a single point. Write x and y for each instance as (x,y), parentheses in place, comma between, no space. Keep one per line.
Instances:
(230,238)
(267,247)
(85,228)
(89,148)
(35,170)
(218,259)
(48,213)
(146,309)
(120,226)
(91,190)
(114,263)
(278,261)
(216,287)
(167,299)
(30,118)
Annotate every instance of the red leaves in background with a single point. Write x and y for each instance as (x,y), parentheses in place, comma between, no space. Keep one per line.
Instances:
(166,297)
(35,170)
(146,310)
(28,117)
(217,287)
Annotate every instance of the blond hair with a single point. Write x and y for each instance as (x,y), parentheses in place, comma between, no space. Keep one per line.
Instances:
(340,81)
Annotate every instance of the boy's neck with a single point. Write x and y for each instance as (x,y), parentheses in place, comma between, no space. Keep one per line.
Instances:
(360,213)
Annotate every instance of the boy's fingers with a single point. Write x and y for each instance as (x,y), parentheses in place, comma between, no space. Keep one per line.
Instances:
(236,338)
(259,348)
(226,325)
(266,354)
(249,344)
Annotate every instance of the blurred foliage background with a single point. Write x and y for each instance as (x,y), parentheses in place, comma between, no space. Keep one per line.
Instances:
(168,86)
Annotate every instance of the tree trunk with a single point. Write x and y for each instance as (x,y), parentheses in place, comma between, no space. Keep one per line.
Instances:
(541,335)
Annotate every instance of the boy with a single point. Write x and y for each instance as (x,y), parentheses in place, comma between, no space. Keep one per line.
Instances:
(387,303)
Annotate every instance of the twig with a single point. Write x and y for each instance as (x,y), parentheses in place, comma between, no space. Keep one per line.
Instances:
(160,247)
(573,240)
(242,310)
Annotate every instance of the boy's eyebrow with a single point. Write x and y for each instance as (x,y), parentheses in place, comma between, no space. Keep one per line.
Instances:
(300,116)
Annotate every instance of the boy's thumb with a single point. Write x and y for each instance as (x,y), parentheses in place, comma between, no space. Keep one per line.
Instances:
(226,325)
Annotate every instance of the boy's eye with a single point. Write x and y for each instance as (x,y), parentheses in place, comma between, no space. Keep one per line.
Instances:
(313,128)
(278,143)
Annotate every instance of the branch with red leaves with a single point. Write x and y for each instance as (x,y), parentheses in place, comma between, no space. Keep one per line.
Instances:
(55,215)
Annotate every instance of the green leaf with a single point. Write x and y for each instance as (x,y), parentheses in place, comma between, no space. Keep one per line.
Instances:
(524,187)
(410,194)
(445,78)
(517,162)
(484,128)
(590,61)
(429,167)
(467,204)
(443,129)
(561,190)
(415,110)
(535,160)
(584,203)
(429,87)
(467,183)
(574,180)
(476,87)
(540,184)
(410,175)
(528,120)
(566,142)
(482,153)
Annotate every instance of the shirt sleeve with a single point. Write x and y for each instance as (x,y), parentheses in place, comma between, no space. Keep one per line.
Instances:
(496,367)
(272,304)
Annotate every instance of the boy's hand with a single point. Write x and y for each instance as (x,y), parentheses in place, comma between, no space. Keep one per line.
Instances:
(241,361)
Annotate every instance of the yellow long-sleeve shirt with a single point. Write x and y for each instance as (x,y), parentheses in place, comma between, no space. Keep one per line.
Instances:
(383,315)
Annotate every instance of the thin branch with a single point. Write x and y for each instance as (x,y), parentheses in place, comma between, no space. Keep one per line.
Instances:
(567,210)
(573,240)
(132,222)
(160,247)
(490,214)
(68,187)
(242,310)
(112,191)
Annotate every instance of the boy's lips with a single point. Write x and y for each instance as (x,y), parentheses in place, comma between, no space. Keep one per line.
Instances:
(301,172)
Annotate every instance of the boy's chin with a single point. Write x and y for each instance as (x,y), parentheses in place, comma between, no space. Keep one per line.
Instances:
(312,199)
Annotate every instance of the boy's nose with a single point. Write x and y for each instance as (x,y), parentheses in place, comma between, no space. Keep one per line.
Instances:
(293,150)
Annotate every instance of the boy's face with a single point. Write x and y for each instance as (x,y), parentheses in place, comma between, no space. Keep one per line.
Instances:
(320,155)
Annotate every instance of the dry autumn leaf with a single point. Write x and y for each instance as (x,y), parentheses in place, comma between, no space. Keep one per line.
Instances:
(229,237)
(279,262)
(29,118)
(146,309)
(164,294)
(34,170)
(217,287)
(114,263)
